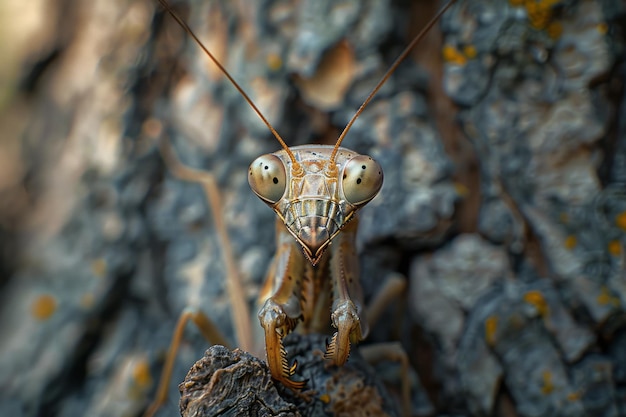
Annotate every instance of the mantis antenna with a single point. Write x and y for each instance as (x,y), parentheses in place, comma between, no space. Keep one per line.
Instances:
(295,165)
(385,77)
(181,22)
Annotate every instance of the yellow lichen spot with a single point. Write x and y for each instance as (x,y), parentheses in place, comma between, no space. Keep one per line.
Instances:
(491,326)
(615,247)
(461,189)
(605,297)
(570,242)
(99,267)
(539,13)
(325,398)
(449,52)
(44,307)
(603,28)
(274,61)
(452,55)
(547,386)
(555,30)
(141,374)
(470,51)
(536,299)
(620,220)
(574,396)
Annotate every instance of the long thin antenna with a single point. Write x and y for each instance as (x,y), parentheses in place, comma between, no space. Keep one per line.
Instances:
(385,77)
(187,29)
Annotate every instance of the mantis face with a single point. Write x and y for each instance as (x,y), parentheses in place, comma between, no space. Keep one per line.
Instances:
(316,199)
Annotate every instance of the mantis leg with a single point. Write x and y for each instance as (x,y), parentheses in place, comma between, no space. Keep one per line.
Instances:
(389,292)
(348,315)
(241,316)
(392,288)
(392,351)
(234,285)
(281,310)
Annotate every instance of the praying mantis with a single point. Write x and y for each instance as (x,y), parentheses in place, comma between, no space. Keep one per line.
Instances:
(315,191)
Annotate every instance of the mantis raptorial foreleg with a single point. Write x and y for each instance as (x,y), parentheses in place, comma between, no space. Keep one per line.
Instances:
(293,286)
(347,313)
(281,309)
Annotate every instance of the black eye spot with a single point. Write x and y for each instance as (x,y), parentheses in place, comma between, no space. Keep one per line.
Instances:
(358,181)
(345,175)
(275,180)
(266,167)
(362,166)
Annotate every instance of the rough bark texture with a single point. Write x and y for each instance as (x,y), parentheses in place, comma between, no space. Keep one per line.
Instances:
(225,383)
(503,141)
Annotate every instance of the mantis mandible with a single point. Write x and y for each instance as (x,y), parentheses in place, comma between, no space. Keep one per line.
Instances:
(315,191)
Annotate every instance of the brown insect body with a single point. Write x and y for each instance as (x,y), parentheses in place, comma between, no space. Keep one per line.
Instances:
(319,200)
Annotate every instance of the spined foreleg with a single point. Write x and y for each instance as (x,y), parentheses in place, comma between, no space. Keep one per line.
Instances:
(281,306)
(348,315)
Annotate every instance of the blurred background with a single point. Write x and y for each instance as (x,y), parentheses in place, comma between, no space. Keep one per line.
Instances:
(502,138)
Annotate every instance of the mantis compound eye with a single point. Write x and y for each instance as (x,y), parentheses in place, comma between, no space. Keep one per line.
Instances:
(267,178)
(361,180)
